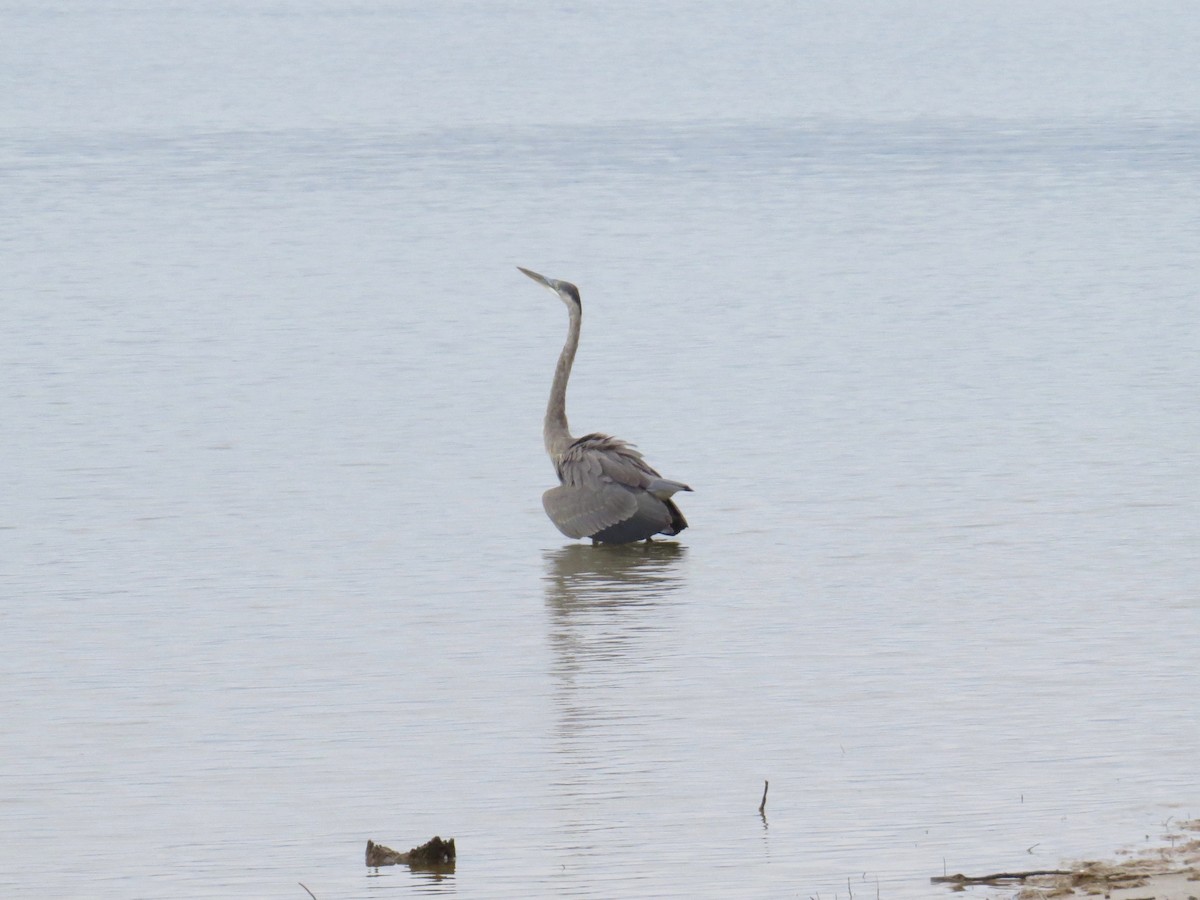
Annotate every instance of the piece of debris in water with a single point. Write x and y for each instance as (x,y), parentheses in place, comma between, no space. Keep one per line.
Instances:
(434,853)
(997,878)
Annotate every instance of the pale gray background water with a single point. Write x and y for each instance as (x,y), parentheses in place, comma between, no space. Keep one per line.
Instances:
(907,292)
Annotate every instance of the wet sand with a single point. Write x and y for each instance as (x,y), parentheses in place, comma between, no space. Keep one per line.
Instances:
(1171,872)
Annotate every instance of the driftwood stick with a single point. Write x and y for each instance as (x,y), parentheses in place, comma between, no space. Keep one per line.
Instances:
(762,807)
(995,878)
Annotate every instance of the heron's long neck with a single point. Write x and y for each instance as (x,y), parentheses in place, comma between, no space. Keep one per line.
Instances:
(555,431)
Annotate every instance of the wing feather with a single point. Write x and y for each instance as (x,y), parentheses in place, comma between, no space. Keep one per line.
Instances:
(580,512)
(651,517)
(598,457)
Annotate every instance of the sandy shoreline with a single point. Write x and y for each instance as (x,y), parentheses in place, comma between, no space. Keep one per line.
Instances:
(1170,872)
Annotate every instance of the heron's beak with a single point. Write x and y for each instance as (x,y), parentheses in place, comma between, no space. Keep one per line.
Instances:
(540,279)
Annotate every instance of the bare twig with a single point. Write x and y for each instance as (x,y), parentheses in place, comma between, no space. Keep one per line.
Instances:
(762,807)
(310,893)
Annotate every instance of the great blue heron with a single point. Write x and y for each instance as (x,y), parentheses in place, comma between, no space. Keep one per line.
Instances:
(608,492)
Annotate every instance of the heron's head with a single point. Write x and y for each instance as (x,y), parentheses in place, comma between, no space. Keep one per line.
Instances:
(567,291)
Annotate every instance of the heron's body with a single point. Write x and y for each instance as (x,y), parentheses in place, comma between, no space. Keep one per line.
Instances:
(607,492)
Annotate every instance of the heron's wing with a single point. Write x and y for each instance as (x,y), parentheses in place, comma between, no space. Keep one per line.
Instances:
(607,493)
(579,511)
(611,514)
(651,517)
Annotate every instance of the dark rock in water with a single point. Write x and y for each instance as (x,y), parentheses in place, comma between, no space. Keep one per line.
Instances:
(379,855)
(433,854)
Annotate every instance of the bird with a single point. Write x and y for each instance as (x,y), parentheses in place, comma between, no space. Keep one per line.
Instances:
(607,491)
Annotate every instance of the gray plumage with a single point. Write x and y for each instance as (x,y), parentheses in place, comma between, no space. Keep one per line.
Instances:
(608,492)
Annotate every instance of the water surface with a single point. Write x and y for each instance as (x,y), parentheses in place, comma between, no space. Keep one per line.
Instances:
(908,297)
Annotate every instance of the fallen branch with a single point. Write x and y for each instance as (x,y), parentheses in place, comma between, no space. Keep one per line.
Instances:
(433,854)
(997,878)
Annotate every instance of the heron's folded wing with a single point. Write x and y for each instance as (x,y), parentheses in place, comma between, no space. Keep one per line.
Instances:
(652,516)
(585,510)
(621,462)
(598,458)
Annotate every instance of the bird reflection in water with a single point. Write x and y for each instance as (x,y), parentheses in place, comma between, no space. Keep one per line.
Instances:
(610,612)
(581,578)
(598,598)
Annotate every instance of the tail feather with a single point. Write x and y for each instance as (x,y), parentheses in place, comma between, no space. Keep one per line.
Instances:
(678,522)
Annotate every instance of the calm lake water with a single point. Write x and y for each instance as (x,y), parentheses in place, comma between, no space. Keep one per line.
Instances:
(907,293)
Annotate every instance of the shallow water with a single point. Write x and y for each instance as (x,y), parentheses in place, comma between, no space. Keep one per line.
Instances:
(275,575)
